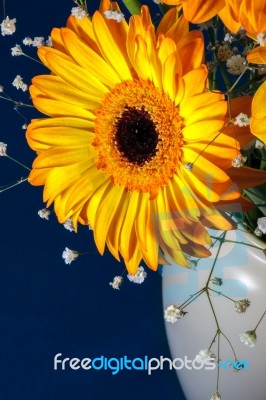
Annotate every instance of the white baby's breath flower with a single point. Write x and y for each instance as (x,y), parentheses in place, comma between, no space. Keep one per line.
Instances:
(261,38)
(117,282)
(8,26)
(205,356)
(27,41)
(79,12)
(242,305)
(228,38)
(242,120)
(216,396)
(24,126)
(157,1)
(3,147)
(90,227)
(1,88)
(249,338)
(68,225)
(19,84)
(217,281)
(262,224)
(49,42)
(235,64)
(44,213)
(259,144)
(239,161)
(115,15)
(173,313)
(16,50)
(38,41)
(139,276)
(69,255)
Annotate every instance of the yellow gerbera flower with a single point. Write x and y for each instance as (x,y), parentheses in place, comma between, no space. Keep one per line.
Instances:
(258,113)
(132,145)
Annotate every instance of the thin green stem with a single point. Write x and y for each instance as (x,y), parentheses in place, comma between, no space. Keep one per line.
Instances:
(242,243)
(260,320)
(216,257)
(229,344)
(15,184)
(238,79)
(33,59)
(213,340)
(17,103)
(17,162)
(221,294)
(214,314)
(218,359)
(192,298)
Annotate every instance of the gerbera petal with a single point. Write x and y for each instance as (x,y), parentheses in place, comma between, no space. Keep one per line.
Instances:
(66,175)
(228,15)
(58,157)
(195,81)
(142,215)
(95,201)
(56,108)
(64,92)
(191,49)
(43,137)
(258,113)
(113,236)
(173,26)
(83,28)
(246,177)
(198,11)
(257,55)
(109,47)
(119,30)
(128,225)
(83,189)
(88,59)
(73,74)
(104,215)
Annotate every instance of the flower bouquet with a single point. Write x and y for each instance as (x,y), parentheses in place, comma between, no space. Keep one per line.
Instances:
(150,130)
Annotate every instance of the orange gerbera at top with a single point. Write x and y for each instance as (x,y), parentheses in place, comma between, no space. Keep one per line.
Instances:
(248,14)
(198,11)
(133,143)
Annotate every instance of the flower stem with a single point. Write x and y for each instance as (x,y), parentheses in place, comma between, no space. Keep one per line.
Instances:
(133,6)
(216,257)
(229,344)
(214,314)
(238,79)
(192,298)
(243,243)
(19,163)
(13,185)
(260,320)
(220,293)
(218,359)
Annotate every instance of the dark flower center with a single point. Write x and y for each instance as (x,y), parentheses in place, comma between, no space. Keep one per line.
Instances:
(136,136)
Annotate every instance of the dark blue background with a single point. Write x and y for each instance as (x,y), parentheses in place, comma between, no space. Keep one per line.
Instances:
(47,307)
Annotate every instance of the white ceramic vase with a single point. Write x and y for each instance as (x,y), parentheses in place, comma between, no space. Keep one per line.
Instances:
(243,270)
